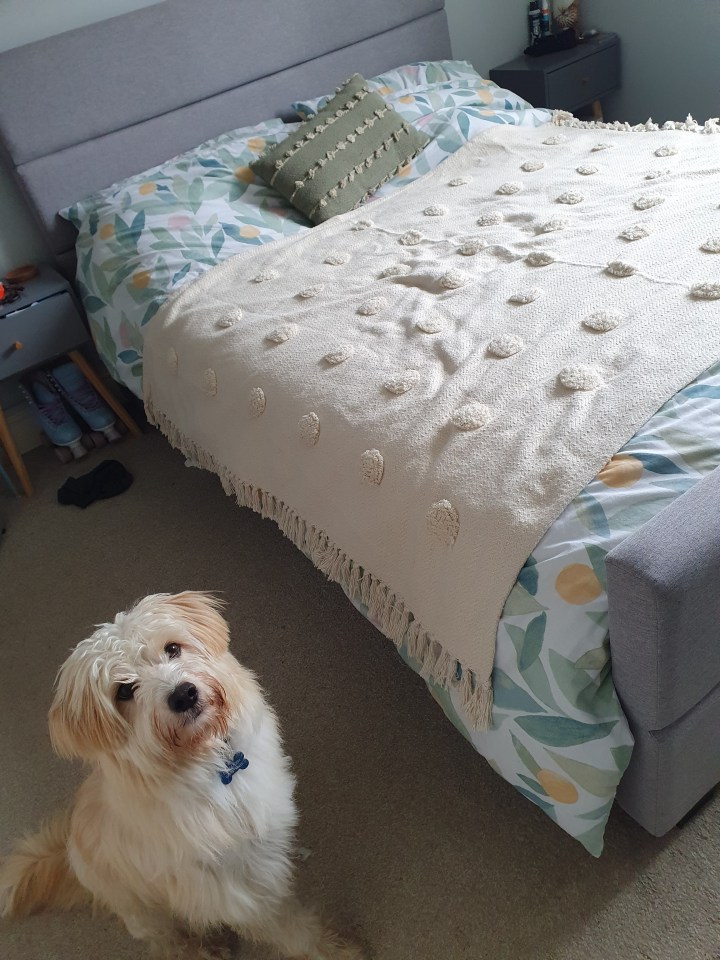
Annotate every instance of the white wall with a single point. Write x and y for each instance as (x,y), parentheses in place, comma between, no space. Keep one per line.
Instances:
(22,21)
(20,240)
(670,57)
(487,32)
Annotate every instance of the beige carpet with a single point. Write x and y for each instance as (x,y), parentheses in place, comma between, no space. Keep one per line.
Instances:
(416,845)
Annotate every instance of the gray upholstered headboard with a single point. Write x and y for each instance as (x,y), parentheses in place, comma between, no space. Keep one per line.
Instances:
(83,109)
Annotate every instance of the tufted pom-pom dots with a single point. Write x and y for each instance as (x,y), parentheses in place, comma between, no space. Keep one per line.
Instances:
(636,232)
(666,151)
(523,297)
(395,270)
(283,333)
(231,318)
(443,522)
(471,246)
(410,238)
(210,382)
(509,188)
(362,225)
(471,416)
(435,210)
(490,219)
(459,181)
(550,226)
(403,383)
(430,324)
(307,293)
(555,140)
(618,268)
(602,146)
(530,166)
(656,174)
(172,360)
(647,201)
(579,377)
(711,245)
(539,258)
(337,259)
(570,197)
(340,354)
(602,321)
(504,346)
(706,291)
(256,402)
(454,279)
(372,467)
(309,429)
(265,275)
(587,169)
(372,306)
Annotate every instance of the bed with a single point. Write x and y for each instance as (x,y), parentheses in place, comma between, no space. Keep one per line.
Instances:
(624,576)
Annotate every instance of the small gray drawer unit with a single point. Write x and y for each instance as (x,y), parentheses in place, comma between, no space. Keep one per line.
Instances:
(43,324)
(568,80)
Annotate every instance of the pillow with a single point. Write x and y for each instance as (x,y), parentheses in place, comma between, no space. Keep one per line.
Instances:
(141,238)
(421,73)
(418,89)
(332,162)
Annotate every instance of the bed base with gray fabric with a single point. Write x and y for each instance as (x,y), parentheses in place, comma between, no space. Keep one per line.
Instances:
(86,108)
(665,643)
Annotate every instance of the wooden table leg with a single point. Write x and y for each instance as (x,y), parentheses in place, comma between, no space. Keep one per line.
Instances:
(118,409)
(597,110)
(15,459)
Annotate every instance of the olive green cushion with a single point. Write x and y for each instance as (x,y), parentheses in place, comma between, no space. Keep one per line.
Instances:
(333,161)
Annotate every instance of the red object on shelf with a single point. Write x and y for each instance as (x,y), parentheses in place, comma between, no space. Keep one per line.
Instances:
(2,292)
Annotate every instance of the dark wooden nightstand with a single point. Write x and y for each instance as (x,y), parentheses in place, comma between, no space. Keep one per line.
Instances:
(569,80)
(42,324)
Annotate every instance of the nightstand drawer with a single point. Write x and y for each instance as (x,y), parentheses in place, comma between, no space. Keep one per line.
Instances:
(583,81)
(46,330)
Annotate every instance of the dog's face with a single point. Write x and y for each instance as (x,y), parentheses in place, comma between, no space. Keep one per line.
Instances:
(156,685)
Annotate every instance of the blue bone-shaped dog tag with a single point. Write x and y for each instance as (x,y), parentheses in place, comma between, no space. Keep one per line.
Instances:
(238,762)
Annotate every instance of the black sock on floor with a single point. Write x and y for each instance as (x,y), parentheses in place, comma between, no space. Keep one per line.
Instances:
(106,480)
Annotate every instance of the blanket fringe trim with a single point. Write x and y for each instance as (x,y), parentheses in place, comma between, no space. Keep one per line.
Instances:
(561,118)
(387,610)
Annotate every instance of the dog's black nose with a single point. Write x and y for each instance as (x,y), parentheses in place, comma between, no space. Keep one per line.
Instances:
(183,697)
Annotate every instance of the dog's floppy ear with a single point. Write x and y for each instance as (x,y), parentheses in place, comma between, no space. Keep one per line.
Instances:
(201,612)
(83,719)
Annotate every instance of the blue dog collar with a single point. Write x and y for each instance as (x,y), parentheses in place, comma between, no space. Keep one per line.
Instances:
(238,762)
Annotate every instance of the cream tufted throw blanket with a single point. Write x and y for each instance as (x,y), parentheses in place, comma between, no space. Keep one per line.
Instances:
(416,390)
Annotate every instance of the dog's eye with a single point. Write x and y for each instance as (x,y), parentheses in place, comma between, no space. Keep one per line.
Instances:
(126,691)
(172,650)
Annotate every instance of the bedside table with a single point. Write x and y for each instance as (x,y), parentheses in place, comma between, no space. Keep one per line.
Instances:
(568,80)
(41,325)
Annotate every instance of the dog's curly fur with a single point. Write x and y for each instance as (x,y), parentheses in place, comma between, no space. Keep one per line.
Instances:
(154,834)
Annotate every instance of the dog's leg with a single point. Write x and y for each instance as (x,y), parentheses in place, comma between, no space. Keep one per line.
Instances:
(299,933)
(163,937)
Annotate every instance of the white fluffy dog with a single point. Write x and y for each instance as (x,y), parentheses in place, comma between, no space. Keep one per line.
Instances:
(186,822)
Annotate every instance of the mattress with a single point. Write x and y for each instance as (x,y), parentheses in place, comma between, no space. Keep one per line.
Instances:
(558,735)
